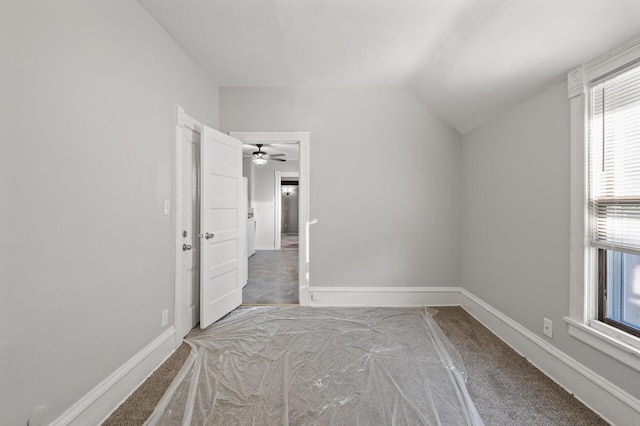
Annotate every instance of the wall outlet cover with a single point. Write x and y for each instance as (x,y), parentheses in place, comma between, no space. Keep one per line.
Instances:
(165,317)
(548,328)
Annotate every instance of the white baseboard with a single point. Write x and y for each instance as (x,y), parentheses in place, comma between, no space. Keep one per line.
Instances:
(384,296)
(97,405)
(265,247)
(612,403)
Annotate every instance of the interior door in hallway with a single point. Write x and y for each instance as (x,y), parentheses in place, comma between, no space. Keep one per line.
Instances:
(190,218)
(221,216)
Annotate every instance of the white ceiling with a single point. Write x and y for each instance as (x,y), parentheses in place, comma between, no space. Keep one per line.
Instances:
(466,59)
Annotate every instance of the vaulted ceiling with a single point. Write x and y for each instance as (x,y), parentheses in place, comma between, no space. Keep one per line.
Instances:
(467,60)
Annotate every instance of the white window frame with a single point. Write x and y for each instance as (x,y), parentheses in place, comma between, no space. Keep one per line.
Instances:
(582,320)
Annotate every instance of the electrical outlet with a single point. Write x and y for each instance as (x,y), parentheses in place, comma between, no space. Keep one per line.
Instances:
(165,317)
(548,328)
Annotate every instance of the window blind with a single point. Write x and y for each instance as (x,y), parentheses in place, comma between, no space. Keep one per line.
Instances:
(614,161)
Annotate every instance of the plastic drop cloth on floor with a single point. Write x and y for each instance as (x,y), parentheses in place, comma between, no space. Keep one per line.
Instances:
(319,366)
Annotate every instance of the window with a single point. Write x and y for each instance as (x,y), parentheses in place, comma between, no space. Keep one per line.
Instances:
(619,290)
(604,309)
(614,196)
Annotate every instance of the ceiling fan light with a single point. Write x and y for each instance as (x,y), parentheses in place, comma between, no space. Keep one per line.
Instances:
(259,160)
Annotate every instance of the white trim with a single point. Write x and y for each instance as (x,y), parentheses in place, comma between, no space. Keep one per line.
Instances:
(613,61)
(384,296)
(583,271)
(612,403)
(265,248)
(579,302)
(303,139)
(177,208)
(608,340)
(624,339)
(98,404)
(277,211)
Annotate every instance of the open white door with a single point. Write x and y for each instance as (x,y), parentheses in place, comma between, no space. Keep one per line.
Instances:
(220,222)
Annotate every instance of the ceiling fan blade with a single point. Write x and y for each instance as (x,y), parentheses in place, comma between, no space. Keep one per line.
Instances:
(277,159)
(277,155)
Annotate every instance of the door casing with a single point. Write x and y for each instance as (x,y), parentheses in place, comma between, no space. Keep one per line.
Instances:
(183,123)
(303,139)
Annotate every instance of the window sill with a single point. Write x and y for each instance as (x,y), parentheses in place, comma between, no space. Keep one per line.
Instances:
(609,340)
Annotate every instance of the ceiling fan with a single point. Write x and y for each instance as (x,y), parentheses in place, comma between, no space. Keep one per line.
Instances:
(260,157)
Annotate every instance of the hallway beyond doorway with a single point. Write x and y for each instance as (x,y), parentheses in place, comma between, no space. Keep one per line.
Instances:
(289,241)
(273,278)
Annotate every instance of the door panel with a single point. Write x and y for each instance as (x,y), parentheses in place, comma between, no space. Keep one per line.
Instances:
(220,218)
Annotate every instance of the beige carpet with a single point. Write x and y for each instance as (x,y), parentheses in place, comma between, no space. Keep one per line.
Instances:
(505,388)
(139,406)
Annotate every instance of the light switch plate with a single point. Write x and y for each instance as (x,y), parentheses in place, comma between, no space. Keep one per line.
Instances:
(167,207)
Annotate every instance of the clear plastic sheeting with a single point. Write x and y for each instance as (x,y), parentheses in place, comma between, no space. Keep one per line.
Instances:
(320,366)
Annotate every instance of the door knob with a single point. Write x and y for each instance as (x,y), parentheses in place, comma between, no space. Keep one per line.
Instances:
(186,247)
(208,235)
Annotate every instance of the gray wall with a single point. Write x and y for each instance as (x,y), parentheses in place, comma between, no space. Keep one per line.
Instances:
(515,225)
(88,88)
(384,181)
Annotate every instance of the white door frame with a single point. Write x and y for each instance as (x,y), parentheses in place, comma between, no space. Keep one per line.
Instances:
(278,205)
(183,121)
(303,139)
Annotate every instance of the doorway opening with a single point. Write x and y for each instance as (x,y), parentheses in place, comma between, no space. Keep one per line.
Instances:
(278,275)
(289,214)
(273,269)
(286,211)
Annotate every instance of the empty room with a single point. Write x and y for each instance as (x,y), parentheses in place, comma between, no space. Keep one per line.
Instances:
(320,212)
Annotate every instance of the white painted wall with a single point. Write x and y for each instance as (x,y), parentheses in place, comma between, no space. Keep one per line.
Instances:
(264,201)
(86,255)
(384,181)
(515,224)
